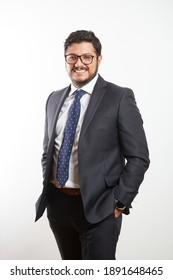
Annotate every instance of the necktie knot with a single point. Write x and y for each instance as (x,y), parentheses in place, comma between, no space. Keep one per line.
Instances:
(79,93)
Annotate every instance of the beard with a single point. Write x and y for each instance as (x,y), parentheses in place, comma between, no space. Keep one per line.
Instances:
(82,82)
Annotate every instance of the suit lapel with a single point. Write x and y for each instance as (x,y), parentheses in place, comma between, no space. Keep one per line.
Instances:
(58,106)
(95,100)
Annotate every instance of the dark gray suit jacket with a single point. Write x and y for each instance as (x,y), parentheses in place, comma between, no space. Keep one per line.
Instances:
(112,150)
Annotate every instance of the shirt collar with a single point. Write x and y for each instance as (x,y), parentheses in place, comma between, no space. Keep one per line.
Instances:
(88,87)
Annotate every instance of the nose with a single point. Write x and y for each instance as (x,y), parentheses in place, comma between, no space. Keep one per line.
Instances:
(78,62)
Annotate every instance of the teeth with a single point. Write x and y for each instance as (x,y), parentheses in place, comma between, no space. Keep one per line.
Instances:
(80,70)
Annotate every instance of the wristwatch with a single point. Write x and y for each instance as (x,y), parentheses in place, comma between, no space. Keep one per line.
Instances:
(119,205)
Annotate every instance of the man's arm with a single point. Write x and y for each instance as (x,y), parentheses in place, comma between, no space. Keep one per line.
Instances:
(45,145)
(134,147)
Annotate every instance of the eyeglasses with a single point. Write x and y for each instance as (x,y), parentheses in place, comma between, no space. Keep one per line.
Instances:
(84,58)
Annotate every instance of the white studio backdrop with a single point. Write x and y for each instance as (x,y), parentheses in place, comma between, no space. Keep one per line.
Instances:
(137,40)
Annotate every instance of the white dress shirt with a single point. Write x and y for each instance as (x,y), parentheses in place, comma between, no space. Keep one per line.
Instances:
(73,180)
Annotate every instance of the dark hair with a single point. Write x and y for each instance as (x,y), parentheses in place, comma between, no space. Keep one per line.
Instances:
(83,35)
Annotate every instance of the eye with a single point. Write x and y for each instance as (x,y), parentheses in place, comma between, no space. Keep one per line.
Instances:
(72,57)
(87,56)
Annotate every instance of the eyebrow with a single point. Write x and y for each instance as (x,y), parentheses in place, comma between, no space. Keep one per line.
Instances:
(78,54)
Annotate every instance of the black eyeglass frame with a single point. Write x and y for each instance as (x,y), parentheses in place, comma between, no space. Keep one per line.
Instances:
(79,56)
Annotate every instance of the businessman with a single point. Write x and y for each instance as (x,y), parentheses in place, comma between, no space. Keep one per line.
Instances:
(95,155)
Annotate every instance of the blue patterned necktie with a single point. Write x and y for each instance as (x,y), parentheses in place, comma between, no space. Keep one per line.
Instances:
(68,140)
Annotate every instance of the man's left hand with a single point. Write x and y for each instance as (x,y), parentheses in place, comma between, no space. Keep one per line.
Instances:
(117,213)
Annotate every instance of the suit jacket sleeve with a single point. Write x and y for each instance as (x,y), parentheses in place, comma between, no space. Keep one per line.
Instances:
(45,143)
(134,147)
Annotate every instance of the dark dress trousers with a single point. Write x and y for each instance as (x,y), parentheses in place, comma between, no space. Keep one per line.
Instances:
(112,150)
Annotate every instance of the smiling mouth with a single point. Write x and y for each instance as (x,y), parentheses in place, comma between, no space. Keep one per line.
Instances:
(80,70)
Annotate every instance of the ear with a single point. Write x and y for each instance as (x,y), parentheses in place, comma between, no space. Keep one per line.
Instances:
(99,59)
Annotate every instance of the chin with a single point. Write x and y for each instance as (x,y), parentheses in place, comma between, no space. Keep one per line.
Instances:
(80,83)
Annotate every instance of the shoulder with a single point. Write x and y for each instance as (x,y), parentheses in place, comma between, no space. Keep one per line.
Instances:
(114,89)
(58,93)
(56,96)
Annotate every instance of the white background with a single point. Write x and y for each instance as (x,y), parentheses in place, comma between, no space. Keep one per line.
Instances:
(137,39)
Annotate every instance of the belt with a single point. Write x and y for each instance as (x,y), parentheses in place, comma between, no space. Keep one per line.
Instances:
(70,191)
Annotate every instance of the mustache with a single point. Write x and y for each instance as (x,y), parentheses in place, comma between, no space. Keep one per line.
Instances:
(80,68)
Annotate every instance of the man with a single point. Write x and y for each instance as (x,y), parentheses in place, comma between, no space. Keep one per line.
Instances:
(95,155)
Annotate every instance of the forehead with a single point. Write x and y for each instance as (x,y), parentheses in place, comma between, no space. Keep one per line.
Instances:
(80,48)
